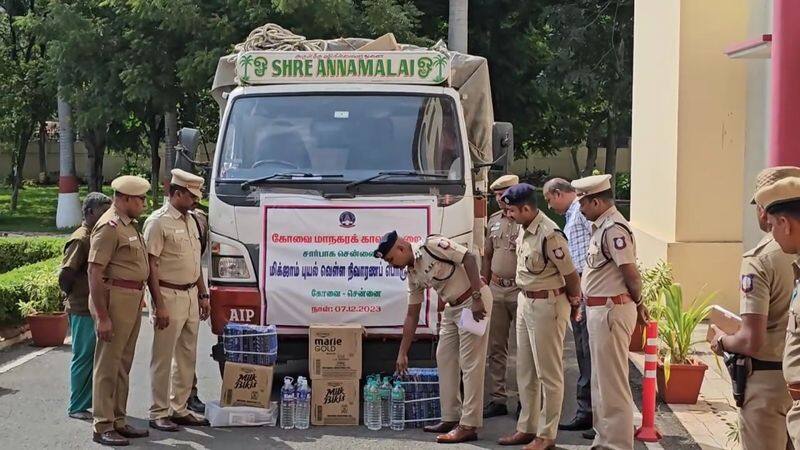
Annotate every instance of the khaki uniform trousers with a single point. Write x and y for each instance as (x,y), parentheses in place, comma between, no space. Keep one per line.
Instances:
(762,418)
(113,360)
(610,327)
(541,327)
(174,354)
(504,312)
(462,354)
(793,423)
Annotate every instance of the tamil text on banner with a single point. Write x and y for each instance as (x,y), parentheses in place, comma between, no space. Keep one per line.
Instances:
(317,263)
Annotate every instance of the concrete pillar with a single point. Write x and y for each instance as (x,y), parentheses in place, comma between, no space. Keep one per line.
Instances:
(689,105)
(784,132)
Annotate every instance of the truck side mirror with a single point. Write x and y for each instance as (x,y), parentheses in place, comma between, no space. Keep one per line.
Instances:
(502,146)
(189,140)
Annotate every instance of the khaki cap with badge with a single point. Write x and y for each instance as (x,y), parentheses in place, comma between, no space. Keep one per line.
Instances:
(188,180)
(592,185)
(504,182)
(770,175)
(130,185)
(782,191)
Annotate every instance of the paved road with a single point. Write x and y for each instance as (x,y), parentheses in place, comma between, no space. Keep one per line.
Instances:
(33,401)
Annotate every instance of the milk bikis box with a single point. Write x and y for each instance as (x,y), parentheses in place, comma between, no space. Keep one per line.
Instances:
(334,402)
(246,385)
(334,351)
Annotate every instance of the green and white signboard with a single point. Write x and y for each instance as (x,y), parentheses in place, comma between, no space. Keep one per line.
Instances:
(264,67)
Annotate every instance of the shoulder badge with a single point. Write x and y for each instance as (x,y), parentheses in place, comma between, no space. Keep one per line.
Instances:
(443,244)
(113,222)
(747,283)
(559,253)
(619,243)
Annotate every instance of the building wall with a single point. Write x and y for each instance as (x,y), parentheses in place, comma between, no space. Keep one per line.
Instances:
(688,142)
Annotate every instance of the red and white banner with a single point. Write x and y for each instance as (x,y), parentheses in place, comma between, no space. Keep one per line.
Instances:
(317,263)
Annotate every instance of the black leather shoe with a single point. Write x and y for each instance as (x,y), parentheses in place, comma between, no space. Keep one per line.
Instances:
(132,433)
(111,439)
(579,423)
(195,405)
(589,434)
(190,420)
(494,409)
(163,425)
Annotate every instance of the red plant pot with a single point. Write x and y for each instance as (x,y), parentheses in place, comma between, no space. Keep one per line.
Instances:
(684,382)
(638,339)
(48,330)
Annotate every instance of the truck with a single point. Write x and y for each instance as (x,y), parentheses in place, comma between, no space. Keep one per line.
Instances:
(319,153)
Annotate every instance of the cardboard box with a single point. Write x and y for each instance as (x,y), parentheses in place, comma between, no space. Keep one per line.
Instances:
(246,385)
(334,402)
(387,42)
(724,320)
(334,351)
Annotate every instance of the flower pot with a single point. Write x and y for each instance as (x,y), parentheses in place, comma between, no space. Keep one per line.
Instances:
(48,330)
(684,382)
(638,339)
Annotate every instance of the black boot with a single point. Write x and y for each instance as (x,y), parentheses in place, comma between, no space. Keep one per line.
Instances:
(195,405)
(579,423)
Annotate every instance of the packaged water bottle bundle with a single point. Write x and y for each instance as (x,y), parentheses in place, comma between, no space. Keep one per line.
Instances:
(250,344)
(421,397)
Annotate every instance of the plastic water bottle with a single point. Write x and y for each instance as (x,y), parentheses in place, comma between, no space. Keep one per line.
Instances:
(398,407)
(302,411)
(372,416)
(287,404)
(386,394)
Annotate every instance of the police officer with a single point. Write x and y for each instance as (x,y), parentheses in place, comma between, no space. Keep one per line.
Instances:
(498,271)
(549,286)
(74,282)
(180,302)
(781,201)
(767,280)
(612,287)
(117,273)
(452,271)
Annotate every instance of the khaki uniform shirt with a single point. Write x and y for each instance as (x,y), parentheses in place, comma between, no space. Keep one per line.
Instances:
(173,238)
(76,256)
(602,277)
(503,239)
(767,281)
(791,354)
(117,245)
(535,271)
(446,275)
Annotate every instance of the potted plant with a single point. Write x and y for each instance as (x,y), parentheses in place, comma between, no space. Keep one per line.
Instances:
(43,308)
(654,280)
(680,375)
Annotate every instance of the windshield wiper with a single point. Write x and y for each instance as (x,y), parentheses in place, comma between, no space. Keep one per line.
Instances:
(290,175)
(393,173)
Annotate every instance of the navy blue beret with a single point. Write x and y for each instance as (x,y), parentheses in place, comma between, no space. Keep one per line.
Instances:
(518,194)
(387,242)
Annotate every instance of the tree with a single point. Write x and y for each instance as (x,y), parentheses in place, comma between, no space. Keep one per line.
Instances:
(86,43)
(24,99)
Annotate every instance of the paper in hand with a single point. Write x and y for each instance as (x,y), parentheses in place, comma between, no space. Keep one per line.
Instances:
(468,323)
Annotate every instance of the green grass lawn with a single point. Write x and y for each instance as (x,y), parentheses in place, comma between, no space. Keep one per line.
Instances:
(36,210)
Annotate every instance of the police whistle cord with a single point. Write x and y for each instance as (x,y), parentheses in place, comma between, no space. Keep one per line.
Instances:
(648,431)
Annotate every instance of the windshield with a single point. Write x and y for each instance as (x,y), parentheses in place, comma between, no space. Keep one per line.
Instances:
(353,135)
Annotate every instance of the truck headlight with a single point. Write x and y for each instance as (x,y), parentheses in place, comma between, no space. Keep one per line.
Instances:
(230,267)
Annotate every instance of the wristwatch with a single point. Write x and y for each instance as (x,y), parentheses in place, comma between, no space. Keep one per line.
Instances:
(204,296)
(476,295)
(720,345)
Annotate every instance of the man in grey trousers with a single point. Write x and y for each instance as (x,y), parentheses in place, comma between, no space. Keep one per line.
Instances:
(562,198)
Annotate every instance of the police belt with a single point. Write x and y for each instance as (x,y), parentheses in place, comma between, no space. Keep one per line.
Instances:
(545,293)
(757,364)
(179,287)
(127,284)
(462,298)
(503,282)
(601,301)
(794,390)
